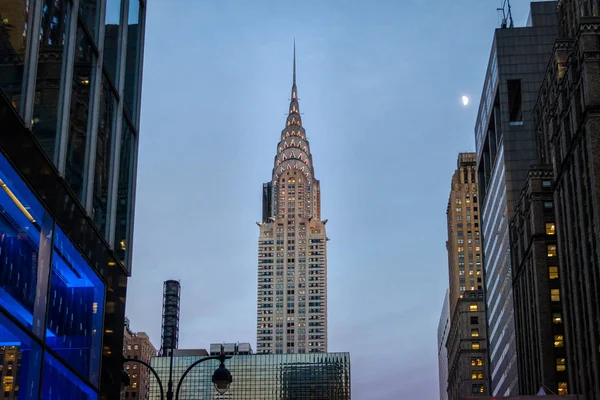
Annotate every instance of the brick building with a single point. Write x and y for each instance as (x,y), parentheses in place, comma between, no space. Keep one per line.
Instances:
(137,346)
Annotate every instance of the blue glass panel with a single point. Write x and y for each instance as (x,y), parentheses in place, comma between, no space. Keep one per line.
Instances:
(58,383)
(76,308)
(20,362)
(25,237)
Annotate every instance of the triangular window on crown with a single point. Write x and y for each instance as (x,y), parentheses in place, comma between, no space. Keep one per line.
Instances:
(292,155)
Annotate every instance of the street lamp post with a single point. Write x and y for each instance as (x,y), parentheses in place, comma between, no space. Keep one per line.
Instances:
(221,378)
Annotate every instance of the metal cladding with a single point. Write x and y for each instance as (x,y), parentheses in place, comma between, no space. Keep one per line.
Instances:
(170,317)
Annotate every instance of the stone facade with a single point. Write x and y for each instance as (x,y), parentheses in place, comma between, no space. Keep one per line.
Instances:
(540,332)
(467,348)
(568,123)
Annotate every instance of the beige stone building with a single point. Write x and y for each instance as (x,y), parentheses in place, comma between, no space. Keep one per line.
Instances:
(468,372)
(292,249)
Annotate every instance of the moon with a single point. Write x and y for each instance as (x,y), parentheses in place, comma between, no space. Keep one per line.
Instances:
(465,100)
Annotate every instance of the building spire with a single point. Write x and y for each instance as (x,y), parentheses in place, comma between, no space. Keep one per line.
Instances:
(294,83)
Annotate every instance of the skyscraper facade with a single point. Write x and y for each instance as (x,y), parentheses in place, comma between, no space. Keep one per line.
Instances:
(540,330)
(292,248)
(464,238)
(568,130)
(506,147)
(70,76)
(466,343)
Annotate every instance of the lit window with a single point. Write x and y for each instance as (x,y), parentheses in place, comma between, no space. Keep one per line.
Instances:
(555,294)
(557,318)
(475,332)
(481,390)
(458,209)
(134,385)
(473,307)
(475,346)
(559,341)
(550,228)
(136,347)
(562,388)
(551,250)
(561,364)
(474,375)
(553,272)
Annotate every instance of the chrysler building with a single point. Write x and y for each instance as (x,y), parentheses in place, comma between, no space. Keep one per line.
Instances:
(292,248)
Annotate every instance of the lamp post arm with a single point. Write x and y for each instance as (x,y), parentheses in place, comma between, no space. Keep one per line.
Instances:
(162,396)
(220,357)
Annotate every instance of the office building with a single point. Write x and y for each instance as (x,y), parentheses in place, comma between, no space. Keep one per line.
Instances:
(292,248)
(568,128)
(540,332)
(506,147)
(70,77)
(312,376)
(464,238)
(443,330)
(466,344)
(137,346)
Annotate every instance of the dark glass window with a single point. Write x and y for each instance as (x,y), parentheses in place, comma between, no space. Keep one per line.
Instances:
(25,237)
(26,357)
(53,31)
(58,382)
(89,10)
(124,191)
(104,147)
(75,312)
(111,39)
(133,55)
(14,32)
(76,168)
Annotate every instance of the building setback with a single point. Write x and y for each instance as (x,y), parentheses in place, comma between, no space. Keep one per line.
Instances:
(466,342)
(540,332)
(506,147)
(70,77)
(568,126)
(292,249)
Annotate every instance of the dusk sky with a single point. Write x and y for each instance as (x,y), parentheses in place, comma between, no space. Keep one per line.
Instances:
(380,85)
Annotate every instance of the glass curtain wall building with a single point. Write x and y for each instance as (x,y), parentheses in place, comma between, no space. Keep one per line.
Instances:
(310,376)
(70,77)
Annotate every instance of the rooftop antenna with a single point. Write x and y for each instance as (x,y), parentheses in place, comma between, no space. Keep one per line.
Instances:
(507,19)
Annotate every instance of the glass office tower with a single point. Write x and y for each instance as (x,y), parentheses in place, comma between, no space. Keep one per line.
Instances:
(309,376)
(70,77)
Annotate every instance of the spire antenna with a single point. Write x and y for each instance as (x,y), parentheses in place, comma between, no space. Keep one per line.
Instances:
(294,61)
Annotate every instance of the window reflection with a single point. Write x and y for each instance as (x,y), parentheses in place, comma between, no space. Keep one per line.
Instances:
(78,120)
(89,11)
(124,192)
(103,152)
(132,61)
(111,38)
(59,382)
(76,308)
(20,360)
(49,73)
(14,31)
